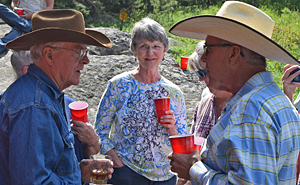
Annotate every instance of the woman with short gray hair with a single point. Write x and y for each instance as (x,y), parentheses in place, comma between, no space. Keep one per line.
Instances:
(212,101)
(196,63)
(148,29)
(20,60)
(126,120)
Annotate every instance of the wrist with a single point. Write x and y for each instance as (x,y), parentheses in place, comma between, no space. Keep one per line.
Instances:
(174,133)
(96,143)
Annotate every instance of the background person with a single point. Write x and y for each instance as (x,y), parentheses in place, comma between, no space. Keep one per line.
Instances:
(257,127)
(126,120)
(20,61)
(212,102)
(289,89)
(37,145)
(21,23)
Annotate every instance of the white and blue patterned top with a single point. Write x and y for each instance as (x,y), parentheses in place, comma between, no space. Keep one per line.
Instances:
(126,121)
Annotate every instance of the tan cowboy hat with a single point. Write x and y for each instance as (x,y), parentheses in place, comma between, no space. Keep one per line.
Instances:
(239,23)
(59,26)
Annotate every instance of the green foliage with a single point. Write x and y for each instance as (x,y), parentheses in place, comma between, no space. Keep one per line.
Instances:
(286,31)
(276,5)
(287,34)
(6,2)
(202,3)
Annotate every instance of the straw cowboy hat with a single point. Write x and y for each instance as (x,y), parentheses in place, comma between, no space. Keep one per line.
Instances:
(238,23)
(59,26)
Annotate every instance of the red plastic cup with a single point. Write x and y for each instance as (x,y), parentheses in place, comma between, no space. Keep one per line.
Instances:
(79,111)
(20,11)
(161,105)
(198,143)
(184,62)
(183,144)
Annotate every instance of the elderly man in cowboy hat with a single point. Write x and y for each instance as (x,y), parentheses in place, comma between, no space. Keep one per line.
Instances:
(37,146)
(256,139)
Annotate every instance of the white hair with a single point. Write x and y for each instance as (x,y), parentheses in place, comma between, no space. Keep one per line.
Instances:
(148,29)
(36,51)
(195,57)
(20,59)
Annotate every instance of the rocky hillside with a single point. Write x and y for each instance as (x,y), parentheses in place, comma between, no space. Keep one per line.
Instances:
(106,63)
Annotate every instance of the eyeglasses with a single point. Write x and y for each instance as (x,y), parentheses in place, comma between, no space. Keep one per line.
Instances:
(205,46)
(201,73)
(80,51)
(145,47)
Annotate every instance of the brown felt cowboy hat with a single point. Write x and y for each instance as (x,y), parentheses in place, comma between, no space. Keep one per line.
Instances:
(59,26)
(238,23)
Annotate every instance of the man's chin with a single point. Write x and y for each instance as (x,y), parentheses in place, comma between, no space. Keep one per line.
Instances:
(76,82)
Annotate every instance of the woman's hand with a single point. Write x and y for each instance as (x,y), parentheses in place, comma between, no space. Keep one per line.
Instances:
(289,87)
(115,158)
(168,121)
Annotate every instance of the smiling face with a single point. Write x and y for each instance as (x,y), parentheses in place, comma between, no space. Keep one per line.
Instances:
(67,64)
(150,54)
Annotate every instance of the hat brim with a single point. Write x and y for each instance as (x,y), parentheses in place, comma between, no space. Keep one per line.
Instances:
(199,27)
(91,37)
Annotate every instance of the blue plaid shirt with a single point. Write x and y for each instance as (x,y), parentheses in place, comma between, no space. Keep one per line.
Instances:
(256,140)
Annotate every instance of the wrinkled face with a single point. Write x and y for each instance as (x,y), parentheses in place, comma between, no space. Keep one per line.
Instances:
(217,64)
(149,53)
(68,62)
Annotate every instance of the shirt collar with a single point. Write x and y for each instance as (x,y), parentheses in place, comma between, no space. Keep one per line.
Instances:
(38,73)
(255,81)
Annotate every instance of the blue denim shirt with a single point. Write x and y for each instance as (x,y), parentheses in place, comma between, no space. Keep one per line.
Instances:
(37,146)
(79,148)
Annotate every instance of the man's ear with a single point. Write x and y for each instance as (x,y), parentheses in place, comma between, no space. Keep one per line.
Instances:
(234,54)
(48,55)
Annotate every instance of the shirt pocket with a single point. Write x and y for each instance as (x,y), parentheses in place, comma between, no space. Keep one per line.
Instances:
(68,162)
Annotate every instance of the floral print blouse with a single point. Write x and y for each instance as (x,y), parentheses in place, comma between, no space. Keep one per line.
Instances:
(126,122)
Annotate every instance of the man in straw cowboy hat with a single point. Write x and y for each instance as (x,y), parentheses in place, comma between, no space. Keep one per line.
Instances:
(36,143)
(256,138)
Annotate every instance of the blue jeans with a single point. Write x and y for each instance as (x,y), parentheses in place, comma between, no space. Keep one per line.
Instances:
(18,24)
(126,176)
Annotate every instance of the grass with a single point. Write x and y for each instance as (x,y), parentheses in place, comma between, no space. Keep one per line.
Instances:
(286,33)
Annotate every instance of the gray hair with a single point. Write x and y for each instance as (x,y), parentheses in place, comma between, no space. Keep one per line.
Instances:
(250,56)
(195,57)
(253,58)
(148,29)
(36,51)
(20,59)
